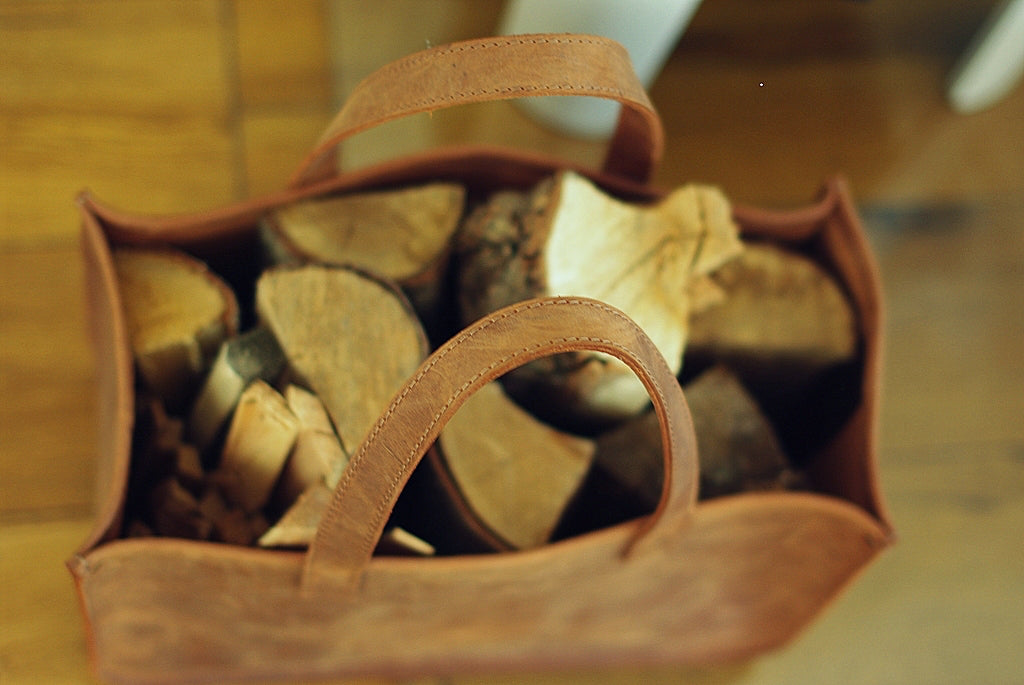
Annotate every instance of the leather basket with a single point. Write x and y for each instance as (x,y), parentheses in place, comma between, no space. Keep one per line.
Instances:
(692,583)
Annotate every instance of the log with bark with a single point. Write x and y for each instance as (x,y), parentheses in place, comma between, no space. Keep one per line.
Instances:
(787,329)
(178,313)
(254,355)
(402,234)
(737,447)
(568,238)
(777,307)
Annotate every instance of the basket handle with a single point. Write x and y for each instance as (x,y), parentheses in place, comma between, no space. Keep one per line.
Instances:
(371,483)
(501,68)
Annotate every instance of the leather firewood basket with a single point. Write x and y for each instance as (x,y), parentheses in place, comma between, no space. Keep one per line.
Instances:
(690,584)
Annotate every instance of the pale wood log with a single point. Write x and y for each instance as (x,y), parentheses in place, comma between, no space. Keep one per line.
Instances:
(398,234)
(259,439)
(396,541)
(298,525)
(515,474)
(348,337)
(567,238)
(240,360)
(318,455)
(178,312)
(782,315)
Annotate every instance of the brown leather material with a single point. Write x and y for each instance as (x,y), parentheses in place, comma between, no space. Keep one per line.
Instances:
(513,336)
(699,583)
(498,69)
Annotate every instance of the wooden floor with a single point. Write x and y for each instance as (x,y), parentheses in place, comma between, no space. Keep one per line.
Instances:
(175,106)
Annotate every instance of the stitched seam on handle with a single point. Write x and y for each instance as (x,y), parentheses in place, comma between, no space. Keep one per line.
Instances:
(331,514)
(380,511)
(428,55)
(512,90)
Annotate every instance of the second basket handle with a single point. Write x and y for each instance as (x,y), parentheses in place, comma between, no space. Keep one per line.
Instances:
(374,478)
(501,68)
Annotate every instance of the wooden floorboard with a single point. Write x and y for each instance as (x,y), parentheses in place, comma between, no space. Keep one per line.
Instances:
(172,107)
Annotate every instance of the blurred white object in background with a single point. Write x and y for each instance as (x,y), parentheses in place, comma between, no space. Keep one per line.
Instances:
(994,62)
(649,30)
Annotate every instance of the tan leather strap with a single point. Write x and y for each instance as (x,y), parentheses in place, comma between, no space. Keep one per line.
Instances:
(511,337)
(498,69)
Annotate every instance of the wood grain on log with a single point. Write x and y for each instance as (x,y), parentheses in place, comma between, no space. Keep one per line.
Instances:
(398,234)
(259,441)
(514,473)
(178,312)
(348,337)
(567,237)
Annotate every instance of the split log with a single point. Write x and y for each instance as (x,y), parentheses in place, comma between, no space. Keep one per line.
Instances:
(318,456)
(240,361)
(783,320)
(737,446)
(403,234)
(568,238)
(398,234)
(178,312)
(349,337)
(514,473)
(297,527)
(259,441)
(398,542)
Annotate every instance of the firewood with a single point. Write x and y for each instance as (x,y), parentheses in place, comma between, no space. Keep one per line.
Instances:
(235,527)
(137,528)
(782,320)
(297,526)
(178,312)
(259,440)
(514,473)
(241,360)
(403,235)
(188,467)
(229,523)
(175,512)
(568,238)
(318,455)
(737,446)
(398,542)
(348,337)
(398,234)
